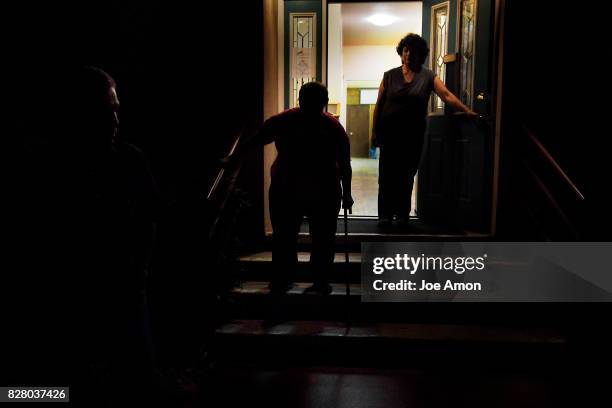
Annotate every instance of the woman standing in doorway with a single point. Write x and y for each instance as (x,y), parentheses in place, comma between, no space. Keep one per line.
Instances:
(399,126)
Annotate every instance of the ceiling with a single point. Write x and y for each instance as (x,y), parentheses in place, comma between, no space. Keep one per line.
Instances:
(356,30)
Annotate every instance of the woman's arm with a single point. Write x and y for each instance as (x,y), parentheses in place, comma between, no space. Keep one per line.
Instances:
(380,101)
(447,96)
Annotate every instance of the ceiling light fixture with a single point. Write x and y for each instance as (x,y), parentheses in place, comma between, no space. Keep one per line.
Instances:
(382,19)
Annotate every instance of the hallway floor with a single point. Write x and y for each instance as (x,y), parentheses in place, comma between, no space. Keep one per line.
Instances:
(365,187)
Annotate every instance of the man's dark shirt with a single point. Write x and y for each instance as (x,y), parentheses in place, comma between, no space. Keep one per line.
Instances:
(313,154)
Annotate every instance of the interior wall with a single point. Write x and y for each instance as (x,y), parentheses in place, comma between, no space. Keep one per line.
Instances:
(368,63)
(365,65)
(335,60)
(359,66)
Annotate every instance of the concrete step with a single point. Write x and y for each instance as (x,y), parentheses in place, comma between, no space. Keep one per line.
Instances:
(354,240)
(252,300)
(258,266)
(386,344)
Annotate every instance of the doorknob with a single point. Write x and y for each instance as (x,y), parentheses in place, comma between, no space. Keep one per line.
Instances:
(481,96)
(480,119)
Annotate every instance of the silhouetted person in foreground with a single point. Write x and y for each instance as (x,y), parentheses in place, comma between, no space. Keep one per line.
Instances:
(310,177)
(88,219)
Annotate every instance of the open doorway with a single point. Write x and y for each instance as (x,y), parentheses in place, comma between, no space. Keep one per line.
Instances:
(361,41)
(457,177)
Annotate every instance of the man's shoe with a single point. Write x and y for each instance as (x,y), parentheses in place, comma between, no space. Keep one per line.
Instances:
(319,289)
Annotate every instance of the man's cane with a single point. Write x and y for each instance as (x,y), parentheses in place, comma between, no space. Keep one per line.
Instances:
(346,251)
(347,271)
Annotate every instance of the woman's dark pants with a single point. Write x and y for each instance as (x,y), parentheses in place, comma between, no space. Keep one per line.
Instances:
(398,164)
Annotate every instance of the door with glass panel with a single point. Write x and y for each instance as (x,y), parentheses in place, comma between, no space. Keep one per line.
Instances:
(455,178)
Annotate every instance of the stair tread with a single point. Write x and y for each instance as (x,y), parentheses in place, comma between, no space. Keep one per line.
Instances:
(266,256)
(405,235)
(261,288)
(401,331)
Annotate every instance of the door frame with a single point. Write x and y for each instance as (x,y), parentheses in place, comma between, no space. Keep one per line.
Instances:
(274,85)
(496,96)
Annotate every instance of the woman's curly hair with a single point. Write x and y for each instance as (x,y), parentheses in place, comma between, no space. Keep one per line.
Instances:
(418,49)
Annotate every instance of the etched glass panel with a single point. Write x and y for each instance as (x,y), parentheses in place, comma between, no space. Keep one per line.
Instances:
(440,47)
(303,53)
(467,39)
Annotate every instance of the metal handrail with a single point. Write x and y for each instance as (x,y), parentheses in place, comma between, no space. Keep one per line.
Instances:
(213,190)
(553,163)
(551,199)
(221,172)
